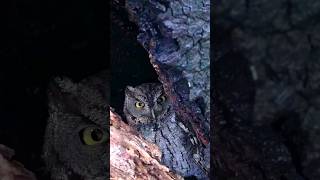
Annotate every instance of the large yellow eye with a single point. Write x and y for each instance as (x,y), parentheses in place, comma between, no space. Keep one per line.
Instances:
(139,104)
(161,99)
(92,136)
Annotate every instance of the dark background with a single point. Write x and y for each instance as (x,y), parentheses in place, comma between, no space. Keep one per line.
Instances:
(130,63)
(44,39)
(266,71)
(40,40)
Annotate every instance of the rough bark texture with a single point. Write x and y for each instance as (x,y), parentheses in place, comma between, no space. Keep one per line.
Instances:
(176,36)
(266,81)
(275,89)
(132,157)
(11,169)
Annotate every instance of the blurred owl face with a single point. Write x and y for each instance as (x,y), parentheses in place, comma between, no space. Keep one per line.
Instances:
(146,103)
(76,136)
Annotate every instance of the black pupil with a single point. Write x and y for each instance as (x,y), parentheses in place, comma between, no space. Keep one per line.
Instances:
(97,135)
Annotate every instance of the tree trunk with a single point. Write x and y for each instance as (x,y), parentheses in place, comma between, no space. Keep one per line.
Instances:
(176,35)
(132,157)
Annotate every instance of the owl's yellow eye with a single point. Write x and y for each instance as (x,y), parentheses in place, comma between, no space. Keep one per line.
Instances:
(139,104)
(93,136)
(161,99)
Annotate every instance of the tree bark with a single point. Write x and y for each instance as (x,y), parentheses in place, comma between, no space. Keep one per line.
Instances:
(176,34)
(11,169)
(132,157)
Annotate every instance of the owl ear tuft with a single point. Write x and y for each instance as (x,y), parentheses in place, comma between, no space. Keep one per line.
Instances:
(130,88)
(58,88)
(61,84)
(65,84)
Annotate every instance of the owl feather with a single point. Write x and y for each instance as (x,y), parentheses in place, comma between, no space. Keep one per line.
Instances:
(149,110)
(76,134)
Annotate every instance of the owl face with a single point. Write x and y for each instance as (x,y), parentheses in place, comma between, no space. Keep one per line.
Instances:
(145,103)
(76,135)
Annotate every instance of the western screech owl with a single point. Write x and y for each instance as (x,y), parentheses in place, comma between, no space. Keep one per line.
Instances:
(76,135)
(147,108)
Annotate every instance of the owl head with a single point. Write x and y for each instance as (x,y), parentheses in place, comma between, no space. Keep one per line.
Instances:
(146,103)
(76,134)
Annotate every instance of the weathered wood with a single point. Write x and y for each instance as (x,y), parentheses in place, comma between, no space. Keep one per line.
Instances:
(176,34)
(11,169)
(132,157)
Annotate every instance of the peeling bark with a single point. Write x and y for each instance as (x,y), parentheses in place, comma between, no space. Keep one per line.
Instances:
(176,35)
(132,157)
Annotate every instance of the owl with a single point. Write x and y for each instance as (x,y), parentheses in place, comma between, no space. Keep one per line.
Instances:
(149,111)
(75,144)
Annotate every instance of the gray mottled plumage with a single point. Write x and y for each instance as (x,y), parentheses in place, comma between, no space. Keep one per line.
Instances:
(156,121)
(76,134)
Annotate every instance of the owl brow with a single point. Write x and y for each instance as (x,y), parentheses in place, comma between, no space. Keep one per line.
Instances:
(139,98)
(90,121)
(137,95)
(132,94)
